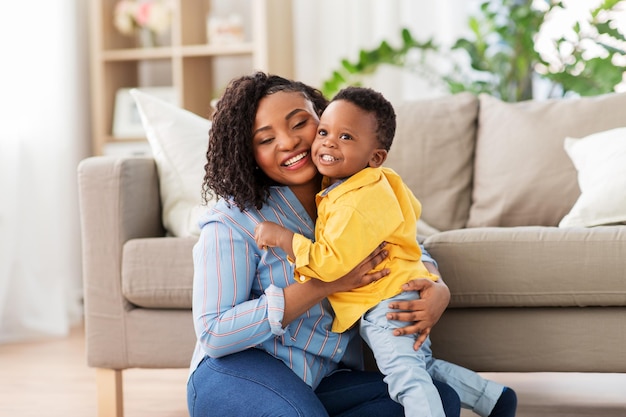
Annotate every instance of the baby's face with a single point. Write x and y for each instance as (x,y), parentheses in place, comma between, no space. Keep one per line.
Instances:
(346,141)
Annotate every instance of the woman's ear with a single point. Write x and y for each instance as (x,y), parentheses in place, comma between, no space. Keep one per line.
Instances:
(378,157)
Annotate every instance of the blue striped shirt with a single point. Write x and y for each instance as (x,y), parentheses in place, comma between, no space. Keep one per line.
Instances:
(238,298)
(238,292)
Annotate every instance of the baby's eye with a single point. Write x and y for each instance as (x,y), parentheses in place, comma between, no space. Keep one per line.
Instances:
(322,132)
(345,136)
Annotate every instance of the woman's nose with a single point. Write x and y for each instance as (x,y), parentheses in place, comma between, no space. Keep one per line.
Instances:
(288,142)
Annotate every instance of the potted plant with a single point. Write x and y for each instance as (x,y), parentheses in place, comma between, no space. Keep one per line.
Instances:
(502,55)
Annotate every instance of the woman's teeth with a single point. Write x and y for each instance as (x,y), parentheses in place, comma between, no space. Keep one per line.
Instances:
(295,159)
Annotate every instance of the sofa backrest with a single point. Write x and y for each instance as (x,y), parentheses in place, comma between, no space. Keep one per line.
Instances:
(480,162)
(522,174)
(433,151)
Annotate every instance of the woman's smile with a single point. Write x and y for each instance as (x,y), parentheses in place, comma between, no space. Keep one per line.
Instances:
(292,161)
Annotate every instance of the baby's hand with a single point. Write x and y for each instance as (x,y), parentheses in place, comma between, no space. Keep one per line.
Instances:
(270,234)
(262,233)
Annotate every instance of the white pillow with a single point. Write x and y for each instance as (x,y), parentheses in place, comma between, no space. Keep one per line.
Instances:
(178,139)
(600,160)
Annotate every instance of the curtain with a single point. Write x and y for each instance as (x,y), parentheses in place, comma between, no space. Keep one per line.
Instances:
(44,133)
(326,31)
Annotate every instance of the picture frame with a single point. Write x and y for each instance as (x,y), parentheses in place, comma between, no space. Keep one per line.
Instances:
(126,119)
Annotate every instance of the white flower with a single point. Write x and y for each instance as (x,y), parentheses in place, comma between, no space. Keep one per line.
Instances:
(154,15)
(158,18)
(123,18)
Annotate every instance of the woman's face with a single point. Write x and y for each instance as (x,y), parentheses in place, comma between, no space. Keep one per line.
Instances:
(284,128)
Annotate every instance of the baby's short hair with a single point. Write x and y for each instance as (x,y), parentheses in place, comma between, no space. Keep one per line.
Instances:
(374,102)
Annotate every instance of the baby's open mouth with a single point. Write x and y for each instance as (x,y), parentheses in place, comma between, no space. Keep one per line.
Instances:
(328,158)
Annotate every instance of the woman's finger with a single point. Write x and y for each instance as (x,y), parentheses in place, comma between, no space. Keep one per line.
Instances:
(375,276)
(407,316)
(421,338)
(376,257)
(418,285)
(412,328)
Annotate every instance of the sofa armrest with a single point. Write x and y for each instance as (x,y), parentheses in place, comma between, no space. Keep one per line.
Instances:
(118,201)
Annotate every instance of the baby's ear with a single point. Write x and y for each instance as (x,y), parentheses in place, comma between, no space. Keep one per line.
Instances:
(378,157)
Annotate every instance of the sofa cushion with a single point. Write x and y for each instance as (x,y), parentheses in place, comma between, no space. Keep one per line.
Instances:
(522,175)
(532,266)
(600,160)
(158,272)
(433,152)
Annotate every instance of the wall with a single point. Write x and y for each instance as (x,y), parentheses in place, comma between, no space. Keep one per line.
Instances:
(328,30)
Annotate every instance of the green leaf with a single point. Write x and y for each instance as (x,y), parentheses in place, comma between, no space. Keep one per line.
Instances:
(606,29)
(500,50)
(349,67)
(407,38)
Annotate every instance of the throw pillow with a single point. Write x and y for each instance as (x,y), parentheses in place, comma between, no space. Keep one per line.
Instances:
(522,176)
(600,160)
(178,139)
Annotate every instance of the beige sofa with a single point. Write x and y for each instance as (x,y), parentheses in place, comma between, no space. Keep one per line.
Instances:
(493,178)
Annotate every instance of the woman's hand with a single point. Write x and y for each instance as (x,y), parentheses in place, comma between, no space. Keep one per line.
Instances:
(362,274)
(423,313)
(300,297)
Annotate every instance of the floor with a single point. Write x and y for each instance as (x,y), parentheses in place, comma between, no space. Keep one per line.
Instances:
(50,378)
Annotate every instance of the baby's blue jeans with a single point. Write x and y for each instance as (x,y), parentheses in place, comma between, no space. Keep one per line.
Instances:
(409,374)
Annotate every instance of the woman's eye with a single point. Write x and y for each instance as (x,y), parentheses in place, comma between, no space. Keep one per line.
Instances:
(299,124)
(265,141)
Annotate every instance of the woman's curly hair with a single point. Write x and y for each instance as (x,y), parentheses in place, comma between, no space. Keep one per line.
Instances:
(231,171)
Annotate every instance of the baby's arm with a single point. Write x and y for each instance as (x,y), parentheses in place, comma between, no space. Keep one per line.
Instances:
(272,234)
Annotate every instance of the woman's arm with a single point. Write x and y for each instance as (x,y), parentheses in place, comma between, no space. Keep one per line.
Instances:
(344,236)
(227,316)
(300,297)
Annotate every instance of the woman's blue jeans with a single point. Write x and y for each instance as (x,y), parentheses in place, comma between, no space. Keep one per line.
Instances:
(253,383)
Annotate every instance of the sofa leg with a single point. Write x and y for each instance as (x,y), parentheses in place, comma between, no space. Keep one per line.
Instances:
(110,393)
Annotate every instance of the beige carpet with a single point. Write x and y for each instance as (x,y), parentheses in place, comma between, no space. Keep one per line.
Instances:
(565,394)
(50,378)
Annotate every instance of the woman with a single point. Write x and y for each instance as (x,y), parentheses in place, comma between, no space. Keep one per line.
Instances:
(264,342)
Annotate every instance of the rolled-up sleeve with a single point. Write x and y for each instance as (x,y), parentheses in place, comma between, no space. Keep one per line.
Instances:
(275,309)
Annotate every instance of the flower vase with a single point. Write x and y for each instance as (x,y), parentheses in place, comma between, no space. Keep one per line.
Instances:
(147,38)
